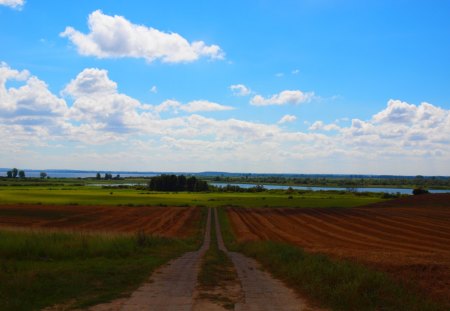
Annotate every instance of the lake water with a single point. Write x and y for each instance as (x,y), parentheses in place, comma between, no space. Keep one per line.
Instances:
(283,187)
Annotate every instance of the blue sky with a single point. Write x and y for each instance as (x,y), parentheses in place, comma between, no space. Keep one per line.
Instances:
(319,86)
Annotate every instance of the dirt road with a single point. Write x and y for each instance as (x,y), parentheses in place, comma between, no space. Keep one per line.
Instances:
(172,286)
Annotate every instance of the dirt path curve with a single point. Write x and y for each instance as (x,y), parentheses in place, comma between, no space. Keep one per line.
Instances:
(171,287)
(261,290)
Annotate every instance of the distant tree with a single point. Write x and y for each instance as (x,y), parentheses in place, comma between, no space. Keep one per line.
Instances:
(22,174)
(177,183)
(43,175)
(181,183)
(98,176)
(9,174)
(191,183)
(419,191)
(108,176)
(15,171)
(117,177)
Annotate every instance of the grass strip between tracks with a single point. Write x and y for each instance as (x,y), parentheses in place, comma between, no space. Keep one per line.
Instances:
(40,268)
(331,283)
(217,270)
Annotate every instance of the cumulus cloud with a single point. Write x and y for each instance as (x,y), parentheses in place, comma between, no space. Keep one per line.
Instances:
(97,101)
(15,4)
(240,90)
(287,118)
(283,98)
(192,106)
(204,105)
(319,125)
(29,103)
(91,82)
(154,89)
(116,37)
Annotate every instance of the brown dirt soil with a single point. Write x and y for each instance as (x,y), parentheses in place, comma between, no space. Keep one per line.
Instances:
(164,221)
(409,237)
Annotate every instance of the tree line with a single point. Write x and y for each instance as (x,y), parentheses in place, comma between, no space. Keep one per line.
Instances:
(14,173)
(108,176)
(177,183)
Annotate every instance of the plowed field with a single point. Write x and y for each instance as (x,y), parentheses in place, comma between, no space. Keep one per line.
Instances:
(408,238)
(165,221)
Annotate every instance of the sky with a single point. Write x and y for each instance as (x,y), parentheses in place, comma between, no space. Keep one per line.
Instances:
(287,86)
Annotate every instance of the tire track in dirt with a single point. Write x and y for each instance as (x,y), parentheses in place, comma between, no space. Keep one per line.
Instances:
(261,291)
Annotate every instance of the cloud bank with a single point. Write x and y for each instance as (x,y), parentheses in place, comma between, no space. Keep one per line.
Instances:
(95,126)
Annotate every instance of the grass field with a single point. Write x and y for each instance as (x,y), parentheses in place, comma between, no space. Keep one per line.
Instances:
(46,268)
(80,195)
(40,269)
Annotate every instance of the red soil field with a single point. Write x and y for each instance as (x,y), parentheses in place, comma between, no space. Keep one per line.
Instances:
(164,221)
(409,237)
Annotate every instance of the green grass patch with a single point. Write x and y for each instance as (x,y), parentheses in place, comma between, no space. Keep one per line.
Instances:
(40,269)
(337,284)
(81,195)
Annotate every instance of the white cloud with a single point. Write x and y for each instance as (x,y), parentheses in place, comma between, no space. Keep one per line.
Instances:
(91,82)
(30,102)
(287,118)
(116,37)
(319,125)
(192,106)
(154,89)
(240,90)
(282,98)
(15,4)
(295,72)
(279,74)
(167,105)
(204,105)
(98,102)
(396,112)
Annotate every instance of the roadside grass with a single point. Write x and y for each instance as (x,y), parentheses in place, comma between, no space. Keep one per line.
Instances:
(217,270)
(227,231)
(81,195)
(330,283)
(45,268)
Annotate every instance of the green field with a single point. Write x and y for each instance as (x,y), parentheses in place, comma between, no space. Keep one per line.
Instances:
(82,195)
(74,270)
(40,269)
